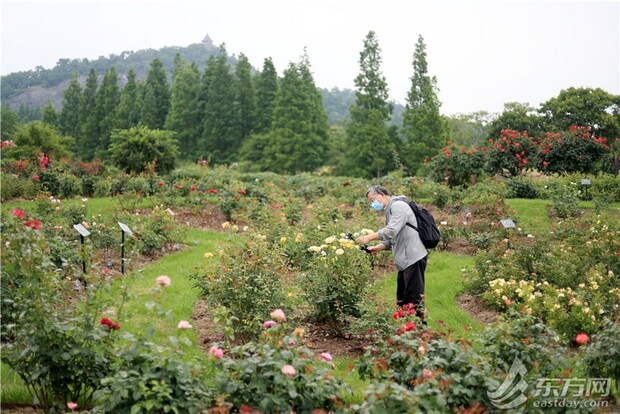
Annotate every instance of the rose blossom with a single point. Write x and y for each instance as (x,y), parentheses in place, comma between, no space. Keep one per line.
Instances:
(71,405)
(268,324)
(184,325)
(216,352)
(582,339)
(289,370)
(163,281)
(278,315)
(326,356)
(427,373)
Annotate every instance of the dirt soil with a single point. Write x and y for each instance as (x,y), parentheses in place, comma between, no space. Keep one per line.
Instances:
(478,310)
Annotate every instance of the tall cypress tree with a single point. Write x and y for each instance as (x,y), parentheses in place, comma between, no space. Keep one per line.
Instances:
(297,140)
(156,97)
(128,110)
(425,130)
(88,142)
(184,118)
(246,96)
(221,133)
(49,114)
(71,106)
(266,89)
(108,97)
(370,150)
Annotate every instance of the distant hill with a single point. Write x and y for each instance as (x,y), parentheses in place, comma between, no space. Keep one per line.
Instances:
(35,87)
(29,91)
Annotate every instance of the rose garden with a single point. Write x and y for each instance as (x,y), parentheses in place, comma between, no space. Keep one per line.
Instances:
(239,292)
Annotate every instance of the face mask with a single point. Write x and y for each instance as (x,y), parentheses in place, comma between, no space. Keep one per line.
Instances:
(376,205)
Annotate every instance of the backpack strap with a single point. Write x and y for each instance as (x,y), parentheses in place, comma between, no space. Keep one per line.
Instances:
(408,224)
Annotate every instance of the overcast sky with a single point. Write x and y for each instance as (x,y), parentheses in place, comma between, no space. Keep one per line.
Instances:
(483,53)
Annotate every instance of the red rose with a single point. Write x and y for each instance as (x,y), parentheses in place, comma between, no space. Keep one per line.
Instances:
(160,183)
(18,213)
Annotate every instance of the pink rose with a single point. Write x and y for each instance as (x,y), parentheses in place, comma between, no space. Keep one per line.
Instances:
(268,324)
(71,405)
(427,373)
(582,339)
(289,370)
(326,356)
(216,352)
(184,325)
(163,281)
(278,315)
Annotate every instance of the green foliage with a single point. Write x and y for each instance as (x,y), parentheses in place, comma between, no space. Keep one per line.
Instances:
(107,99)
(148,378)
(457,166)
(70,113)
(59,350)
(421,361)
(221,135)
(266,90)
(425,131)
(132,150)
(510,154)
(155,100)
(87,140)
(276,375)
(184,118)
(601,358)
(564,198)
(246,282)
(521,187)
(575,150)
(517,117)
(10,122)
(36,138)
(298,136)
(585,107)
(335,281)
(128,109)
(526,337)
(367,133)
(245,96)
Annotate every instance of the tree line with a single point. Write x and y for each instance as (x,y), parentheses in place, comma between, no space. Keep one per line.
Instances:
(225,114)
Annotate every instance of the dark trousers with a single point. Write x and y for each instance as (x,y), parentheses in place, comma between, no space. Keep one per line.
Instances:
(410,286)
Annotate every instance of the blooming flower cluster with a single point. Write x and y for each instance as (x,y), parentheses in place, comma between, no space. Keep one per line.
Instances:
(112,326)
(32,224)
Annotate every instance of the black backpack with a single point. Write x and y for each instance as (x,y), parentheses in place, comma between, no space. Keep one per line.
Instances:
(427,229)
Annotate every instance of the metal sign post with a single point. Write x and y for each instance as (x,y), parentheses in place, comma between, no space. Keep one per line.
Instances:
(83,234)
(586,183)
(124,229)
(508,224)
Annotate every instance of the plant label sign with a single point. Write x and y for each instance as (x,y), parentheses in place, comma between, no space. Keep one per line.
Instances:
(125,228)
(586,181)
(507,223)
(82,230)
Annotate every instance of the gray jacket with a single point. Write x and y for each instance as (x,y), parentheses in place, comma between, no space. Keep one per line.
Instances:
(404,241)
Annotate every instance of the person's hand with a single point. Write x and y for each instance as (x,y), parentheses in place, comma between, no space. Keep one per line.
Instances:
(364,239)
(376,248)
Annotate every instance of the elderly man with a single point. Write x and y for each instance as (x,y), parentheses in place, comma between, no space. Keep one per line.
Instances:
(410,255)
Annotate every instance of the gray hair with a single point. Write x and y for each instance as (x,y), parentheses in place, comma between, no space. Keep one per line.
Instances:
(377,189)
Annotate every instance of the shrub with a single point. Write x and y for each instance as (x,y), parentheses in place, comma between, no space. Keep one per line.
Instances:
(278,375)
(148,379)
(59,350)
(521,187)
(457,165)
(510,154)
(526,337)
(134,149)
(601,359)
(564,200)
(425,363)
(335,280)
(246,282)
(575,150)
